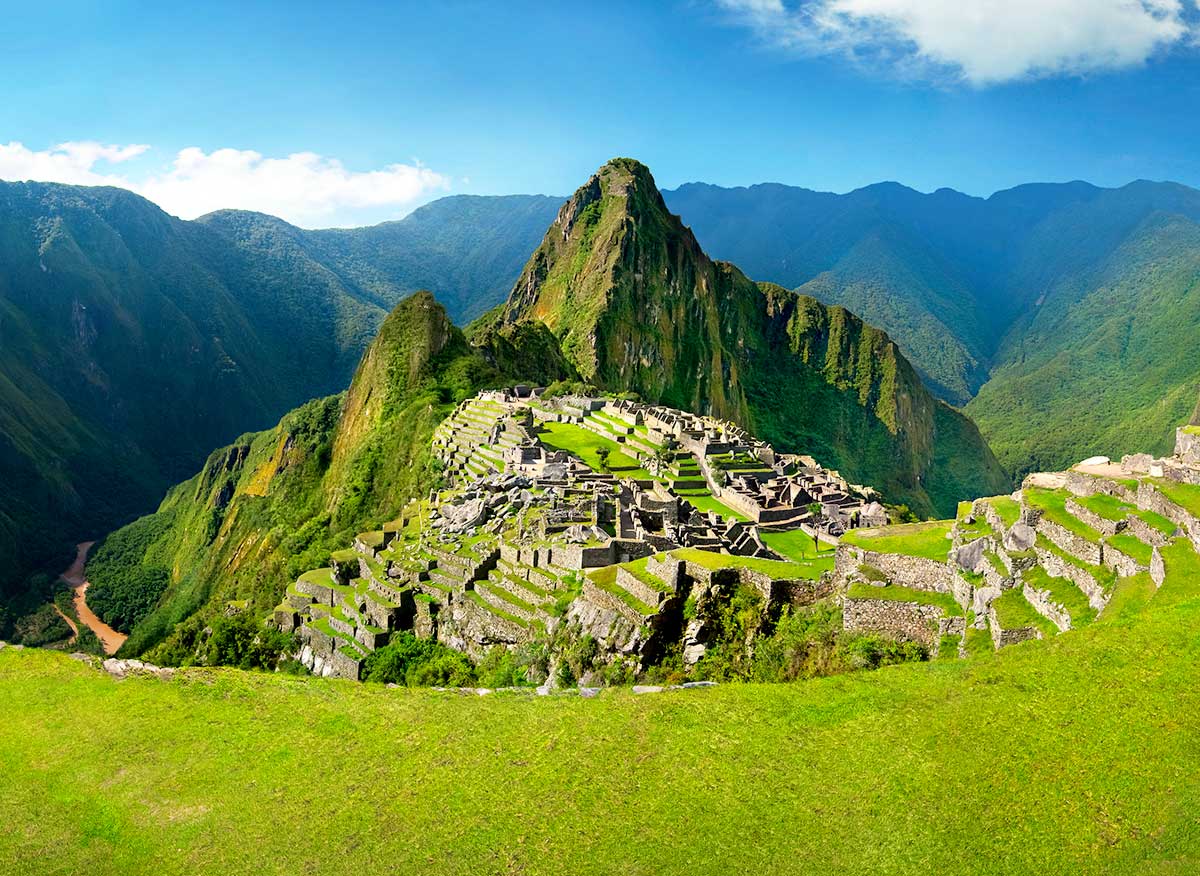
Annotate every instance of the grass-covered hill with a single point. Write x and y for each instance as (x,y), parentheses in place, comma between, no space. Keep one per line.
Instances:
(132,343)
(274,503)
(1065,307)
(637,305)
(1072,755)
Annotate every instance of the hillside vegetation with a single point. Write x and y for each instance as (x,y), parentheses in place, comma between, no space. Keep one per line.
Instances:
(888,771)
(274,503)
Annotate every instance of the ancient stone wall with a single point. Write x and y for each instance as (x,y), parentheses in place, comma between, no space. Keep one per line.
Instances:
(899,620)
(1045,605)
(1073,544)
(1149,498)
(1083,484)
(1158,569)
(1101,524)
(1144,531)
(1123,564)
(608,601)
(640,589)
(1000,637)
(915,572)
(1057,567)
(345,666)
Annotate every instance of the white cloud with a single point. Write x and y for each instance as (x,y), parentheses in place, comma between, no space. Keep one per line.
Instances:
(304,188)
(72,162)
(983,42)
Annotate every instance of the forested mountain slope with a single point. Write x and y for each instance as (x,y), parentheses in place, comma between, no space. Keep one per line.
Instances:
(132,342)
(989,296)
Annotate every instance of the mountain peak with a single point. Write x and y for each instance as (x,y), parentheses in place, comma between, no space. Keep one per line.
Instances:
(636,305)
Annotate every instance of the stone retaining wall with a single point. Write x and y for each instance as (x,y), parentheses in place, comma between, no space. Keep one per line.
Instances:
(1047,607)
(1073,544)
(1000,637)
(911,621)
(319,592)
(1102,525)
(1083,484)
(1145,532)
(345,666)
(915,572)
(1122,563)
(1057,567)
(609,602)
(639,588)
(1150,499)
(1158,569)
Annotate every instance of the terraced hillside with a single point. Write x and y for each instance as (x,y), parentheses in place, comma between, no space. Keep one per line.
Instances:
(1062,551)
(580,522)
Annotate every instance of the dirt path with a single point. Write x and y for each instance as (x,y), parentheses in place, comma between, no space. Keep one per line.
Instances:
(109,638)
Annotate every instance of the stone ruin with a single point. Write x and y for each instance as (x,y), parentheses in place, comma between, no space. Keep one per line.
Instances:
(524,536)
(1035,564)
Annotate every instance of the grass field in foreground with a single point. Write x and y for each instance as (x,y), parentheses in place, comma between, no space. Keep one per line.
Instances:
(1081,751)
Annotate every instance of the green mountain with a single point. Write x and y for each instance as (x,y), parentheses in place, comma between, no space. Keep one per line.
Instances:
(637,305)
(274,503)
(1063,307)
(131,342)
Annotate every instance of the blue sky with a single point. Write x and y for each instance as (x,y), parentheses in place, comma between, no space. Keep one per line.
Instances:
(494,98)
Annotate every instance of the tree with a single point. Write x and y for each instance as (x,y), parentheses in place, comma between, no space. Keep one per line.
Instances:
(602,454)
(815,509)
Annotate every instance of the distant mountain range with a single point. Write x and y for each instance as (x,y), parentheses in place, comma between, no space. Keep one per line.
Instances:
(131,343)
(1058,314)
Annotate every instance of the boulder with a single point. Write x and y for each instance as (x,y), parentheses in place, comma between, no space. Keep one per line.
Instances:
(647,688)
(1020,537)
(969,557)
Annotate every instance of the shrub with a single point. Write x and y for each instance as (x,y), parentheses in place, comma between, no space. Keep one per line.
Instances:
(415,662)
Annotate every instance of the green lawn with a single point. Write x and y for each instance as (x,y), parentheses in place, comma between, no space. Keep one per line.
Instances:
(896,593)
(795,544)
(1106,506)
(586,445)
(928,540)
(1007,507)
(1131,546)
(1091,767)
(1013,611)
(810,569)
(1053,504)
(703,501)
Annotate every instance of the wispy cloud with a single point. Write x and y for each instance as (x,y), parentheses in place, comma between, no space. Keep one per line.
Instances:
(981,42)
(304,188)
